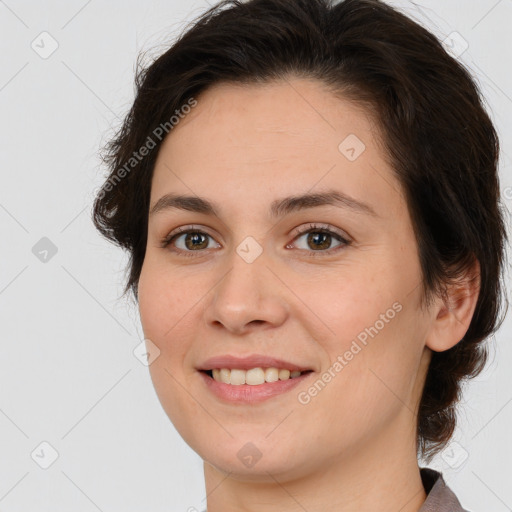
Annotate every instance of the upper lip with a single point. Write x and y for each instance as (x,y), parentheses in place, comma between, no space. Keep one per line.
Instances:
(248,362)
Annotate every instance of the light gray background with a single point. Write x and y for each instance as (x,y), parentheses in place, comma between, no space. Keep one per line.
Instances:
(68,375)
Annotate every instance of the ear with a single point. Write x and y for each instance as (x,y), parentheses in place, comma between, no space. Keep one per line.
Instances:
(452,314)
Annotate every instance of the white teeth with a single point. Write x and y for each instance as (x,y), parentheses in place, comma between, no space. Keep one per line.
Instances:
(237,377)
(225,376)
(254,376)
(284,374)
(271,375)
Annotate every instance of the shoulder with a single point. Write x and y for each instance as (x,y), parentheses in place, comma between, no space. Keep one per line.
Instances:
(440,498)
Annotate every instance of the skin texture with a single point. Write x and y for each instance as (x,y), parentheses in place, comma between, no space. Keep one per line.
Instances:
(353,445)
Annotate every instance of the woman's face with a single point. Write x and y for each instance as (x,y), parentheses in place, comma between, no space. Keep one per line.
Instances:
(329,286)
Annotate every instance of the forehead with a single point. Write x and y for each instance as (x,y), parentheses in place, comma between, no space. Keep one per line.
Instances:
(240,141)
(301,108)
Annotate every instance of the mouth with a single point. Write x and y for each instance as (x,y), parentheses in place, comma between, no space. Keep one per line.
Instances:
(247,393)
(252,379)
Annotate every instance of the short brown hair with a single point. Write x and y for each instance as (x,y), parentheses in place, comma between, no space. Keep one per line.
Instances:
(438,138)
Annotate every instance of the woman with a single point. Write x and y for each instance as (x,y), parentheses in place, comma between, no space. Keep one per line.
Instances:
(309,195)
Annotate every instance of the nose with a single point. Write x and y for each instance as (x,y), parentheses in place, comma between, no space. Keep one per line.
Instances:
(248,297)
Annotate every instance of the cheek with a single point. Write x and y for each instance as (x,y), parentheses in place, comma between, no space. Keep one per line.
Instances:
(171,306)
(348,300)
(166,312)
(370,385)
(163,302)
(375,345)
(381,361)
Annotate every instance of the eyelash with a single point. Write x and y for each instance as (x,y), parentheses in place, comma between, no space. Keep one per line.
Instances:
(313,228)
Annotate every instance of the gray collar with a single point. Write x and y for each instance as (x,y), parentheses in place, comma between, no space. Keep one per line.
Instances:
(440,498)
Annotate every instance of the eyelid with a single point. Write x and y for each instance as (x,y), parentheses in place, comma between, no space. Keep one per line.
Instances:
(319,226)
(175,233)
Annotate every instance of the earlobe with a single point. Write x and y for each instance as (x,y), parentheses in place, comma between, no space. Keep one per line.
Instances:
(452,316)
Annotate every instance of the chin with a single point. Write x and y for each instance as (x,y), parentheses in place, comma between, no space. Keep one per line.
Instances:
(254,461)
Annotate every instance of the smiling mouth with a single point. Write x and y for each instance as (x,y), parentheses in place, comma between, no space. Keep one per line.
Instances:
(252,377)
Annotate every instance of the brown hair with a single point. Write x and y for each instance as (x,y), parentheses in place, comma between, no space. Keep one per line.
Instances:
(437,135)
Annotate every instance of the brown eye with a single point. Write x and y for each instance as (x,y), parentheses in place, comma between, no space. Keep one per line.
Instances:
(196,240)
(188,241)
(319,240)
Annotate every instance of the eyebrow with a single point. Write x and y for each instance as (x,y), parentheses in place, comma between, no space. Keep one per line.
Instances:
(278,208)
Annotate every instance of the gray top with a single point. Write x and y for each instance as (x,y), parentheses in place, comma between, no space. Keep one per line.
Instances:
(440,497)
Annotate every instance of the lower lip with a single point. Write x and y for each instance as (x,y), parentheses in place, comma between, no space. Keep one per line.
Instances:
(246,393)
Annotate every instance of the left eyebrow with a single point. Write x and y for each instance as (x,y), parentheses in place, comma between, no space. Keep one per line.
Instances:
(278,208)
